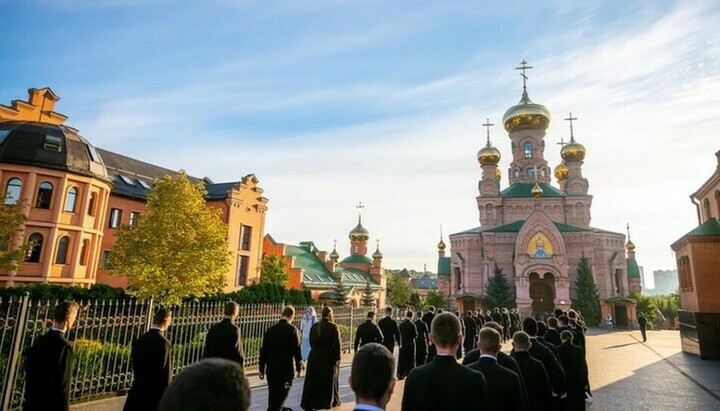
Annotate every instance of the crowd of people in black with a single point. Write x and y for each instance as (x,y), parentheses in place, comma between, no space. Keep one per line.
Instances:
(546,369)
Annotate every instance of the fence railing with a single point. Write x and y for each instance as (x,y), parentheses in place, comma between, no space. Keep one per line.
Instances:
(104,332)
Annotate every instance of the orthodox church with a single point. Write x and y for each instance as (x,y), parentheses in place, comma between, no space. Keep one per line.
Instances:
(535,231)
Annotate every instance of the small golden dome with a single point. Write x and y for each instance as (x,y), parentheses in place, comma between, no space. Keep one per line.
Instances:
(498,174)
(630,246)
(488,156)
(537,191)
(441,245)
(526,115)
(561,172)
(573,152)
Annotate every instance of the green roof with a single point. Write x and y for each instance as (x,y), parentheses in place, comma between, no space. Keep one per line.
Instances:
(314,271)
(443,266)
(525,190)
(710,228)
(356,278)
(632,268)
(357,259)
(515,226)
(476,230)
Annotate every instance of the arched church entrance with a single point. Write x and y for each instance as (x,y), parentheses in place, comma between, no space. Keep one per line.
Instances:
(542,292)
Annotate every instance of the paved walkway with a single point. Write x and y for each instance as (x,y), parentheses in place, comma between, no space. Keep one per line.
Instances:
(625,374)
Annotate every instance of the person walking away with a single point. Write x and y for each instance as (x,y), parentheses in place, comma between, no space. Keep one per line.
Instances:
(552,335)
(367,332)
(279,355)
(471,332)
(422,340)
(371,377)
(214,384)
(308,320)
(427,319)
(323,368)
(443,384)
(48,364)
(550,362)
(642,321)
(459,353)
(224,340)
(390,330)
(152,367)
(537,382)
(573,361)
(504,388)
(406,357)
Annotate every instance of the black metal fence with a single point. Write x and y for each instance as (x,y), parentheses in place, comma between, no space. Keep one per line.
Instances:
(104,332)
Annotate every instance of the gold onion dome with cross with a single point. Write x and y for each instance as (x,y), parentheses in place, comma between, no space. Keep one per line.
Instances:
(561,172)
(359,232)
(526,115)
(488,155)
(573,152)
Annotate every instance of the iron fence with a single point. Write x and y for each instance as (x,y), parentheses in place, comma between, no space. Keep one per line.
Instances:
(104,332)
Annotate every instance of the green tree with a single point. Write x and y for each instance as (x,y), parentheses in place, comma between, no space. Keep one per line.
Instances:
(436,299)
(588,299)
(272,270)
(645,306)
(341,293)
(368,296)
(415,300)
(398,291)
(499,292)
(12,221)
(178,246)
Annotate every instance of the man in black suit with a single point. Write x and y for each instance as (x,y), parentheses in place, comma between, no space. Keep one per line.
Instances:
(537,382)
(550,362)
(280,348)
(572,358)
(223,340)
(48,364)
(642,322)
(471,331)
(551,334)
(427,319)
(212,384)
(443,384)
(152,369)
(371,377)
(390,330)
(368,332)
(422,340)
(504,386)
(540,336)
(408,334)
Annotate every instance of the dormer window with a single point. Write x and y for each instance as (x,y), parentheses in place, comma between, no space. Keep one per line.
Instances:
(126,180)
(53,143)
(93,154)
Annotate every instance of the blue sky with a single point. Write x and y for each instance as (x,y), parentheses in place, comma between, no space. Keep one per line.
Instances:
(334,102)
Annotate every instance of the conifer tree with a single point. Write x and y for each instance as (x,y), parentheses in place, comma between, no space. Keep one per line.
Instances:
(588,299)
(499,292)
(368,297)
(341,293)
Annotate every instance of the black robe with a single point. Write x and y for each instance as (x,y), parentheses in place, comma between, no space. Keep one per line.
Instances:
(48,369)
(279,358)
(504,387)
(367,332)
(390,332)
(406,358)
(537,382)
(322,368)
(576,369)
(223,340)
(421,343)
(470,334)
(432,351)
(152,371)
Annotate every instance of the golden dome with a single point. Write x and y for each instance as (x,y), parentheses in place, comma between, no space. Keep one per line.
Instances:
(561,172)
(498,174)
(630,246)
(526,115)
(488,156)
(537,191)
(441,245)
(573,152)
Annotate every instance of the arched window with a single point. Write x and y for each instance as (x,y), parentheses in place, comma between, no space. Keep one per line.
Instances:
(91,204)
(70,200)
(13,190)
(83,252)
(531,172)
(517,172)
(33,254)
(706,205)
(528,149)
(44,195)
(62,250)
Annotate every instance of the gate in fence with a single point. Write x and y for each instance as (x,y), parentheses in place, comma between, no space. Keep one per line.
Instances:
(104,332)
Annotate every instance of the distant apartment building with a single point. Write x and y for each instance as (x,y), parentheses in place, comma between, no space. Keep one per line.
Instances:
(666,282)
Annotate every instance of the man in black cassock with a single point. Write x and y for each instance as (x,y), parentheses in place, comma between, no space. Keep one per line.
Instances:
(459,353)
(390,330)
(422,340)
(427,319)
(572,359)
(470,332)
(279,352)
(642,322)
(367,332)
(406,358)
(537,382)
(223,340)
(48,364)
(152,369)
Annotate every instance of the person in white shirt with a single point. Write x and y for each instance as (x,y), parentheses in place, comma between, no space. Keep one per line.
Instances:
(372,377)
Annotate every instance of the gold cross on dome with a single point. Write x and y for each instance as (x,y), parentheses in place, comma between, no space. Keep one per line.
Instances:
(571,119)
(487,125)
(524,67)
(562,142)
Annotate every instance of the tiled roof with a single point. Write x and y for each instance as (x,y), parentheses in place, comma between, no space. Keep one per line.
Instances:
(315,273)
(219,190)
(525,190)
(632,268)
(443,266)
(710,228)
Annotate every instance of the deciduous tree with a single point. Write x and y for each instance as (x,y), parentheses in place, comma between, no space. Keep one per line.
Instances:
(272,270)
(12,222)
(435,299)
(398,291)
(178,246)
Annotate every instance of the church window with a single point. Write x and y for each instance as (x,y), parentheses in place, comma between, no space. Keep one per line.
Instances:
(12,192)
(531,172)
(458,278)
(44,195)
(717,202)
(517,173)
(618,281)
(706,204)
(528,149)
